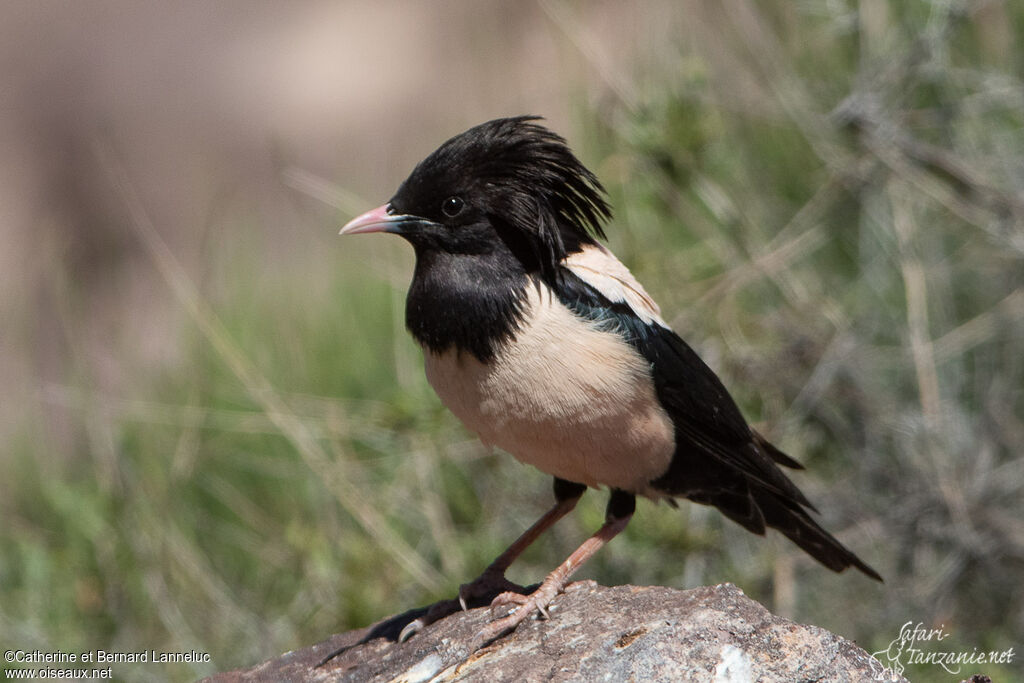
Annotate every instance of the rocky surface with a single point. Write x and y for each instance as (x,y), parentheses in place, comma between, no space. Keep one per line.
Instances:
(713,633)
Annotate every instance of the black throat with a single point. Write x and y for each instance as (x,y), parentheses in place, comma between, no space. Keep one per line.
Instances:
(470,301)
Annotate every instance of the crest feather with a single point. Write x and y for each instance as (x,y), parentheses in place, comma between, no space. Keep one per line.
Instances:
(548,194)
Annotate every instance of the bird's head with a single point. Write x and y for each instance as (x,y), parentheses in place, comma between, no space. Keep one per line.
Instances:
(508,182)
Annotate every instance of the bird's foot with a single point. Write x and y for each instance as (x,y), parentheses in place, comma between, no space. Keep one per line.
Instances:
(487,586)
(522,607)
(437,611)
(473,594)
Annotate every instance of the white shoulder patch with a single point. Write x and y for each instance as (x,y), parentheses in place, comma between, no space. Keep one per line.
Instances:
(599,268)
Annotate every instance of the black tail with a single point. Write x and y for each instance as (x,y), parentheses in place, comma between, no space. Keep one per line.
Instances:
(760,507)
(756,504)
(774,453)
(797,525)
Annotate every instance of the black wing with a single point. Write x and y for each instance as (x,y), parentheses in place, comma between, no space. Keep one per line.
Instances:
(719,460)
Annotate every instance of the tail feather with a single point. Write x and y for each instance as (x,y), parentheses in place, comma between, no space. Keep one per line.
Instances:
(796,524)
(749,488)
(755,507)
(774,453)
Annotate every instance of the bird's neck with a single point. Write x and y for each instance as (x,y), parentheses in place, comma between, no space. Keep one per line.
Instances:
(472,302)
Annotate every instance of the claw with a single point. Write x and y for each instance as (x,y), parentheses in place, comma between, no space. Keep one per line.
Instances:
(411,629)
(539,600)
(522,606)
(469,593)
(509,598)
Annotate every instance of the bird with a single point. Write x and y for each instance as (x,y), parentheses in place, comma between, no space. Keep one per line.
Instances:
(544,344)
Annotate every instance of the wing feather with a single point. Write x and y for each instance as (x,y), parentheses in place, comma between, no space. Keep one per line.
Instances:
(719,460)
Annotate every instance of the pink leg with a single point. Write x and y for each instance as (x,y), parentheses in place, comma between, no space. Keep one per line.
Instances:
(539,600)
(505,560)
(492,579)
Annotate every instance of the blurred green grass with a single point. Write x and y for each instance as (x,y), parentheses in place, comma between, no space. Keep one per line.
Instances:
(841,235)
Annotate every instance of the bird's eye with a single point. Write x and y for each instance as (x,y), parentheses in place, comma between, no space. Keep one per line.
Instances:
(452,206)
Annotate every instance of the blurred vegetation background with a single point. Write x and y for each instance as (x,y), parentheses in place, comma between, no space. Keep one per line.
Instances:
(216,434)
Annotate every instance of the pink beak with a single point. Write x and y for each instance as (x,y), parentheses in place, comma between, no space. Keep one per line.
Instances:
(375,220)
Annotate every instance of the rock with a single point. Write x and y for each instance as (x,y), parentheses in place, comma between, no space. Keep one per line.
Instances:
(713,633)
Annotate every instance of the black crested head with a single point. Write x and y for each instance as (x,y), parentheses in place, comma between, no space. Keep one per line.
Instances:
(489,212)
(510,180)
